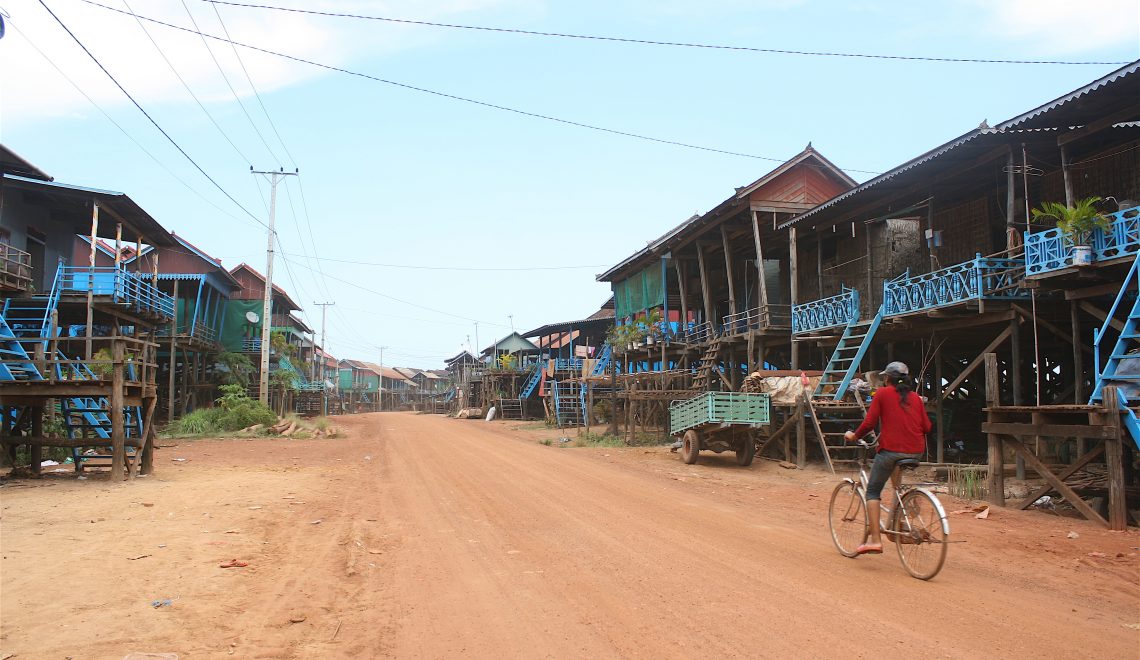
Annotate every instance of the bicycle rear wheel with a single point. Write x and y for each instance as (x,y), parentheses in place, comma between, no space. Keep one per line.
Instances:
(847,517)
(922,533)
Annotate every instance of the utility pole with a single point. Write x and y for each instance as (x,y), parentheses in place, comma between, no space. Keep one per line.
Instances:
(324,308)
(267,305)
(380,385)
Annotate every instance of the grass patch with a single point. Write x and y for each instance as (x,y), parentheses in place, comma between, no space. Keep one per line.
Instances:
(322,423)
(546,441)
(235,411)
(598,440)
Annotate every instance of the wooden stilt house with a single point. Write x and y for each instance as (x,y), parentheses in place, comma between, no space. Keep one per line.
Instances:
(79,339)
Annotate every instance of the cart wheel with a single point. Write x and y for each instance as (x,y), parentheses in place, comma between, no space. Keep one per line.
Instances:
(747,451)
(690,446)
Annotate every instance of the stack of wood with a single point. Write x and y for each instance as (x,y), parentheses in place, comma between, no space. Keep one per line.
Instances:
(288,427)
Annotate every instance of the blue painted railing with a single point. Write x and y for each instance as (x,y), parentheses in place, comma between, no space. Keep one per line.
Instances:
(831,312)
(983,278)
(568,364)
(122,286)
(1052,249)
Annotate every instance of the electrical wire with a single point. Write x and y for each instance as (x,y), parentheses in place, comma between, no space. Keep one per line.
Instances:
(651,42)
(185,85)
(455,268)
(225,78)
(399,300)
(117,125)
(256,94)
(149,117)
(455,97)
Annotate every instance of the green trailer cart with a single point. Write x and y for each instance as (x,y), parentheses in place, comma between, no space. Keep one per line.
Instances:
(719,421)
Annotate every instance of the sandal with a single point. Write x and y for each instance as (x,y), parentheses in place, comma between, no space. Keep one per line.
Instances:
(870,549)
(234,563)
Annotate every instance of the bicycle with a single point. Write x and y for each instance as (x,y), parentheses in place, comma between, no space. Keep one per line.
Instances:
(916,524)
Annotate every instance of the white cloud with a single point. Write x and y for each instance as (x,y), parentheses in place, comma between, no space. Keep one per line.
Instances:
(32,90)
(1063,27)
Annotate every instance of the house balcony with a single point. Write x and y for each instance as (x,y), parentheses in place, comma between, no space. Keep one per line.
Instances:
(983,278)
(831,312)
(756,319)
(116,286)
(251,345)
(192,331)
(1050,251)
(15,269)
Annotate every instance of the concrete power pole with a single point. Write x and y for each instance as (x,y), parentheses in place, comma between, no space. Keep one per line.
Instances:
(324,308)
(267,305)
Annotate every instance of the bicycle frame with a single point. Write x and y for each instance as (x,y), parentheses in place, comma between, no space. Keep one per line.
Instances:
(900,490)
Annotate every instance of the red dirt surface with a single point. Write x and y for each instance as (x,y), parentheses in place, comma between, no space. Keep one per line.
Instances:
(421,536)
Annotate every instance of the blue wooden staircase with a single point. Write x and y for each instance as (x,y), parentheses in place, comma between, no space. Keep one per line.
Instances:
(17,364)
(845,359)
(1123,365)
(603,361)
(532,380)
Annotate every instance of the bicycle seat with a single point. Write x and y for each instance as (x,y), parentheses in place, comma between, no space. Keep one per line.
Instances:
(907,463)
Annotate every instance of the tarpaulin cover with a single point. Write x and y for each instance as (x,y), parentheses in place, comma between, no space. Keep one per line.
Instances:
(641,291)
(236,326)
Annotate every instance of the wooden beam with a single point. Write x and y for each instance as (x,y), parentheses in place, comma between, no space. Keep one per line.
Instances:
(705,291)
(977,361)
(1065,474)
(1078,356)
(1094,291)
(995,454)
(1127,114)
(1100,314)
(1048,430)
(1114,463)
(1056,330)
(683,290)
(118,427)
(761,284)
(728,271)
(793,252)
(1060,486)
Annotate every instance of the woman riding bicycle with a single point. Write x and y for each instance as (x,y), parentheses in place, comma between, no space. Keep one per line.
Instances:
(904,424)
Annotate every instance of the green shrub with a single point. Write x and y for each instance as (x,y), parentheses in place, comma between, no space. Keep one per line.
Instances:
(235,412)
(198,422)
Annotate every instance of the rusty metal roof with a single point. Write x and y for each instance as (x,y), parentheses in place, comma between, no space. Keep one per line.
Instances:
(1109,94)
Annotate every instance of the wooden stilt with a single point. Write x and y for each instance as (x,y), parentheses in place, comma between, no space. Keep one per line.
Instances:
(118,432)
(1114,461)
(995,463)
(37,451)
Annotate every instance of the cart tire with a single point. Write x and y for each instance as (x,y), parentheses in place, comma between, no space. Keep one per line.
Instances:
(747,451)
(690,446)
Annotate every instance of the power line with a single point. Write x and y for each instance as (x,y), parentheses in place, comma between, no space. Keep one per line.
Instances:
(225,78)
(455,268)
(256,94)
(194,96)
(117,125)
(454,97)
(399,300)
(651,42)
(147,115)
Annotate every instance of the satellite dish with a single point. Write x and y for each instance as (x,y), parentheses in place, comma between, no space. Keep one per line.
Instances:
(252,317)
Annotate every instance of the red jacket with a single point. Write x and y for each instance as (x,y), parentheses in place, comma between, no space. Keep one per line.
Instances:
(903,429)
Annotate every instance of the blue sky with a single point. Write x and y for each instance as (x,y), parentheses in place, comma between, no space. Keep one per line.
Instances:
(399,177)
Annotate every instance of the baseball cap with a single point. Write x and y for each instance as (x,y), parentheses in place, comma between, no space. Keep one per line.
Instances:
(895,370)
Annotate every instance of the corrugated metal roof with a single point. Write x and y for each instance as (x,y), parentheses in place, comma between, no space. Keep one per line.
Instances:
(1062,112)
(116,203)
(1026,120)
(12,163)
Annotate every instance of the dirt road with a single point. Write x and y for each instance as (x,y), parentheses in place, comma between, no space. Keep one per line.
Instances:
(421,536)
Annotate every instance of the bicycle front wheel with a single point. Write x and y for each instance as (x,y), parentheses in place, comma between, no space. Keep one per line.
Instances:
(847,517)
(922,532)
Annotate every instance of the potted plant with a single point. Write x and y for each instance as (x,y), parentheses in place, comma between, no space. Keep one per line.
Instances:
(1077,222)
(652,325)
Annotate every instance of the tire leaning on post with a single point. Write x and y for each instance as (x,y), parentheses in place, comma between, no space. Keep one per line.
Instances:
(690,446)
